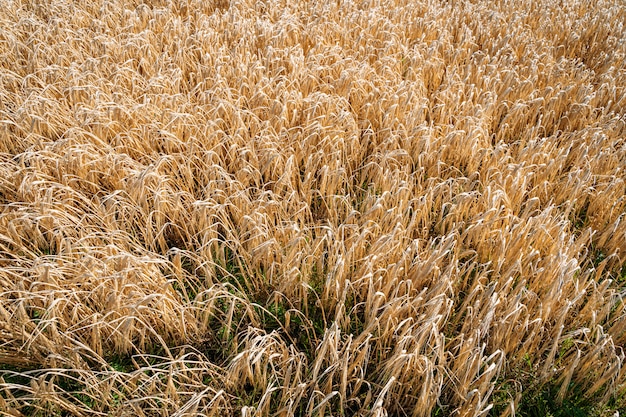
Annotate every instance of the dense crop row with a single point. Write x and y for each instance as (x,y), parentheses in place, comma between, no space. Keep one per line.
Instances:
(301,208)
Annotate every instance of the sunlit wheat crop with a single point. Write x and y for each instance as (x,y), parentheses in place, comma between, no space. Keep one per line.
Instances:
(312,208)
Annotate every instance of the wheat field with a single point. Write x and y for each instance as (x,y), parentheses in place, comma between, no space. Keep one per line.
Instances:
(299,208)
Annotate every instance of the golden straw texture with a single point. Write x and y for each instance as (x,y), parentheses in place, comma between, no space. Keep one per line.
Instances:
(312,208)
